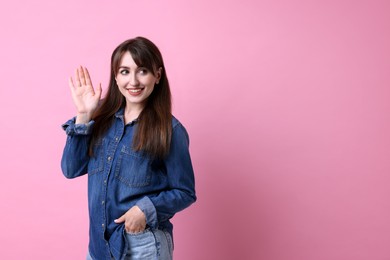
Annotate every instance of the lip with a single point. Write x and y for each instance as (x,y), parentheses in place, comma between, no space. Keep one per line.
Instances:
(137,92)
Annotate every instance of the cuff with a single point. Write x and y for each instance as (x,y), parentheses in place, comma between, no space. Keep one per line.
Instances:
(147,207)
(78,129)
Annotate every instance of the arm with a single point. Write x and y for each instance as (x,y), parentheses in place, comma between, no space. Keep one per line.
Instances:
(181,193)
(75,157)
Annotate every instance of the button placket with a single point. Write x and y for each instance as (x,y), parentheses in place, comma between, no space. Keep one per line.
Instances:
(111,151)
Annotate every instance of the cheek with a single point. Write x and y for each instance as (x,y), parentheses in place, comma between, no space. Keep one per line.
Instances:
(120,82)
(151,89)
(150,81)
(121,79)
(121,87)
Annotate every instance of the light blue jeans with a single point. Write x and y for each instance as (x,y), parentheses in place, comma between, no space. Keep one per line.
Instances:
(148,245)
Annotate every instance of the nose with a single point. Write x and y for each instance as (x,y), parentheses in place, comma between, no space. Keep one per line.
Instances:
(133,79)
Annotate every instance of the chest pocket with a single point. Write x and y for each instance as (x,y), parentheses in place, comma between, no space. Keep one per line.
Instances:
(96,162)
(132,169)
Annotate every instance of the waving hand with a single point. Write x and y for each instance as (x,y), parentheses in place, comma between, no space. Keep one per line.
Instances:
(84,95)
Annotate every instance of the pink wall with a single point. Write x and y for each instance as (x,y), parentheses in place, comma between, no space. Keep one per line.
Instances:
(286,102)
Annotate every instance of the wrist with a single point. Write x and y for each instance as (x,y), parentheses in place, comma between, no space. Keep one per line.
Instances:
(83,118)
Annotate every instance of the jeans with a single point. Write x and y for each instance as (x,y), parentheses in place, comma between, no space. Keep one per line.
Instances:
(148,245)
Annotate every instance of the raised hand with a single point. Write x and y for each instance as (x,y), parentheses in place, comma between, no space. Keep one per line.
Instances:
(84,95)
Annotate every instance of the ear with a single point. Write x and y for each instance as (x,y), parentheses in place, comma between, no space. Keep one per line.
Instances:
(158,75)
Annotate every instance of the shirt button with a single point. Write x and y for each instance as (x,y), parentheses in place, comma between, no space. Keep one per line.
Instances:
(116,139)
(109,158)
(102,225)
(105,182)
(102,201)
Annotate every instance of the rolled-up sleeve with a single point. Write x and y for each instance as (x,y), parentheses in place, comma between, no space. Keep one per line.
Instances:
(77,129)
(75,156)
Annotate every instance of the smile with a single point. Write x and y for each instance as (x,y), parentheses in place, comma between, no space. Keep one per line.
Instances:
(134,91)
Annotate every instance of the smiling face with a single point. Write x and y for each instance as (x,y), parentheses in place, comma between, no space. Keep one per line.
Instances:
(135,83)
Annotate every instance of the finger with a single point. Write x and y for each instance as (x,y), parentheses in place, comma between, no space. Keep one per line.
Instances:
(120,220)
(129,229)
(99,90)
(71,86)
(87,77)
(82,76)
(78,83)
(70,82)
(135,229)
(132,229)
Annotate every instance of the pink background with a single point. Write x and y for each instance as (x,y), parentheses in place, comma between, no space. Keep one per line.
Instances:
(286,103)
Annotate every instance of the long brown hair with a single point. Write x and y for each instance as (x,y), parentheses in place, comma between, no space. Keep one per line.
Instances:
(154,125)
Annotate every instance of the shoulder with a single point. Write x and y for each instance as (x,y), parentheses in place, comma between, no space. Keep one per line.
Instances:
(178,129)
(176,123)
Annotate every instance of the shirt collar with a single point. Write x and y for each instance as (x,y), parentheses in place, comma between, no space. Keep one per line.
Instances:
(120,114)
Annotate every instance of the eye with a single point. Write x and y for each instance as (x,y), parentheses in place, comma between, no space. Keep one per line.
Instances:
(143,71)
(123,71)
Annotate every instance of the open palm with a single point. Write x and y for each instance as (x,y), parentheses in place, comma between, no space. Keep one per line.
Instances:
(84,95)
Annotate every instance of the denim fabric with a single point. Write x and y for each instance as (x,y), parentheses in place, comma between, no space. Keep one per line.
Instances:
(148,245)
(119,178)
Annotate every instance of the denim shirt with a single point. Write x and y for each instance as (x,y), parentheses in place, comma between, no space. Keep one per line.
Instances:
(119,178)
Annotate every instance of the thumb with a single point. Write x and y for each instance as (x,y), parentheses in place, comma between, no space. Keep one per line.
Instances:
(120,220)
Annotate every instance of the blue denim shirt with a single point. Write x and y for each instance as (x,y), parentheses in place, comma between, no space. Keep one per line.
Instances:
(119,178)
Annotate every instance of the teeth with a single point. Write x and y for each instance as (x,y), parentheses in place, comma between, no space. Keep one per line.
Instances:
(135,90)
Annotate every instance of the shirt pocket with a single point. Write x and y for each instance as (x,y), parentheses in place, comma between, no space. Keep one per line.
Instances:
(96,162)
(132,168)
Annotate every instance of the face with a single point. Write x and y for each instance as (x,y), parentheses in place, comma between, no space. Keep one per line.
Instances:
(135,83)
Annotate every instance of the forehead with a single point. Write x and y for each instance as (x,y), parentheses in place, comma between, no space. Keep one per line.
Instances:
(127,61)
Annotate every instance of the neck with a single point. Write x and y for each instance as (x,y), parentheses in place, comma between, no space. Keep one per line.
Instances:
(132,113)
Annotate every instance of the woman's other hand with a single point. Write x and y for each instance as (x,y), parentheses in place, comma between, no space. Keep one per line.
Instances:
(84,95)
(135,220)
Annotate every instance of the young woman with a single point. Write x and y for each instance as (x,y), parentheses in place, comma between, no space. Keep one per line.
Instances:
(135,153)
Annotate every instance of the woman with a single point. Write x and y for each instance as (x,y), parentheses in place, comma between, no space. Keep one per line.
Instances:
(135,153)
